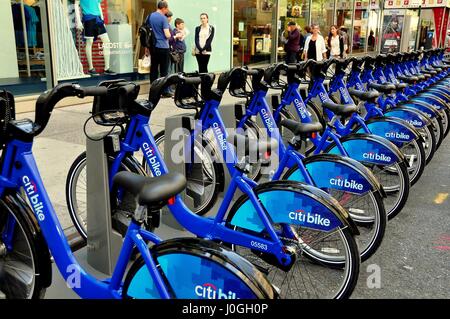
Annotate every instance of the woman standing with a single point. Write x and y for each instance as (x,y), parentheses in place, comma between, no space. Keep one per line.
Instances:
(204,35)
(335,43)
(315,48)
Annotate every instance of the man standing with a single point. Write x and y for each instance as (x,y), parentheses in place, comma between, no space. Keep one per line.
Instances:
(161,31)
(292,46)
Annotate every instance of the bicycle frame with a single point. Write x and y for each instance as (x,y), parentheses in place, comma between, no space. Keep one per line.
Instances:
(139,137)
(292,96)
(19,169)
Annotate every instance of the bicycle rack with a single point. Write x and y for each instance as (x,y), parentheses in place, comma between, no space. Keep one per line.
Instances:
(103,243)
(172,130)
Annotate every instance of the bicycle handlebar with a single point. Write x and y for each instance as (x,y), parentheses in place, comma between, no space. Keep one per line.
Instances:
(48,100)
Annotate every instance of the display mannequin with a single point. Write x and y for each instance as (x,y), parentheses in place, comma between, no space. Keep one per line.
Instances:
(89,17)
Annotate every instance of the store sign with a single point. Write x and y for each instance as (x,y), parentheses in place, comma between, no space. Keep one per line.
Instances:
(416,3)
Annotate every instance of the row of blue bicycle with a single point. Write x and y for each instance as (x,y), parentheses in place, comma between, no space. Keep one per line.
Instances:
(320,170)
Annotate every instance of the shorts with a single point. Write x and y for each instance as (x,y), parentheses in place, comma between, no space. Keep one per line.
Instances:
(92,29)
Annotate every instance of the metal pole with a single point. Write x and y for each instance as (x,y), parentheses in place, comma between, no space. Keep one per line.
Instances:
(25,37)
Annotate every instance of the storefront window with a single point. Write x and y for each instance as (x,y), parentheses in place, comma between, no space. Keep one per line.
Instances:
(432,27)
(220,17)
(411,25)
(322,13)
(24,47)
(392,30)
(291,10)
(344,15)
(373,38)
(360,23)
(253,31)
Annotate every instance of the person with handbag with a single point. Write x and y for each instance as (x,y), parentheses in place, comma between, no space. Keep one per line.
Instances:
(204,35)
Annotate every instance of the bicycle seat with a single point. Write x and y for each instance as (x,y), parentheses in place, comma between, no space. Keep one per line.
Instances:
(364,96)
(252,146)
(430,72)
(159,85)
(385,88)
(151,190)
(400,86)
(340,109)
(408,79)
(299,128)
(421,77)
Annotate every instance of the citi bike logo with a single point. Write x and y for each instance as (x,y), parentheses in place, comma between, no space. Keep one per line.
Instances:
(309,218)
(415,122)
(397,135)
(210,291)
(301,108)
(151,157)
(377,157)
(349,184)
(267,120)
(220,136)
(344,94)
(33,196)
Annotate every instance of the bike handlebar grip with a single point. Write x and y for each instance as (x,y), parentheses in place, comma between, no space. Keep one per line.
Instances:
(127,89)
(93,91)
(192,80)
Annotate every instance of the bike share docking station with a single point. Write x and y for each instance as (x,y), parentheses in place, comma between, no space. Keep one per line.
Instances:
(174,137)
(103,243)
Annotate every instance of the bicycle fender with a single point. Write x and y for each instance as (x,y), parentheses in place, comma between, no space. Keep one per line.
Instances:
(408,115)
(13,202)
(337,172)
(204,264)
(289,202)
(428,109)
(368,148)
(391,129)
(434,101)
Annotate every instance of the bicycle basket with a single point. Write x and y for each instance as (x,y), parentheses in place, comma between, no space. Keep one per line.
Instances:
(7,114)
(108,110)
(187,96)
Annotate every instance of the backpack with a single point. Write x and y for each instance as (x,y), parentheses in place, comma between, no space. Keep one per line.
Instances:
(146,35)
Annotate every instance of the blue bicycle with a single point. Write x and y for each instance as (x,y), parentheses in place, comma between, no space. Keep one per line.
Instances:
(298,235)
(377,108)
(402,134)
(384,159)
(347,180)
(30,232)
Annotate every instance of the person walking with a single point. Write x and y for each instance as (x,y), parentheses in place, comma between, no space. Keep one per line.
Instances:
(315,48)
(335,43)
(178,45)
(204,35)
(344,35)
(161,31)
(292,46)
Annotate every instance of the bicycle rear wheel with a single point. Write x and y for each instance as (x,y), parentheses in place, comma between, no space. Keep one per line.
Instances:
(22,274)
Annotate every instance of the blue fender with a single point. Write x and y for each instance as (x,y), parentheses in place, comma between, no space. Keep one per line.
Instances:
(396,131)
(414,117)
(329,171)
(368,148)
(292,203)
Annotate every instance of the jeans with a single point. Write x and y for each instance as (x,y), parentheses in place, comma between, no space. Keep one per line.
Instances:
(160,62)
(291,57)
(202,60)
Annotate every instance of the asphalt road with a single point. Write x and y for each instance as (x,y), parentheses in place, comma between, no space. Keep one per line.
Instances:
(413,261)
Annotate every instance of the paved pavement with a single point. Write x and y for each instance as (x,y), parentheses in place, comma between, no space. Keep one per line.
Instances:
(414,259)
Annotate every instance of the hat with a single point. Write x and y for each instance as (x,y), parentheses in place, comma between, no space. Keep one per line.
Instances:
(291,23)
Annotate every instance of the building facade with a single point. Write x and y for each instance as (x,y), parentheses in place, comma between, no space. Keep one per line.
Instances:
(43,47)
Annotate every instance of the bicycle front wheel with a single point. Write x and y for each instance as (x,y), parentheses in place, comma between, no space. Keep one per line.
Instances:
(21,269)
